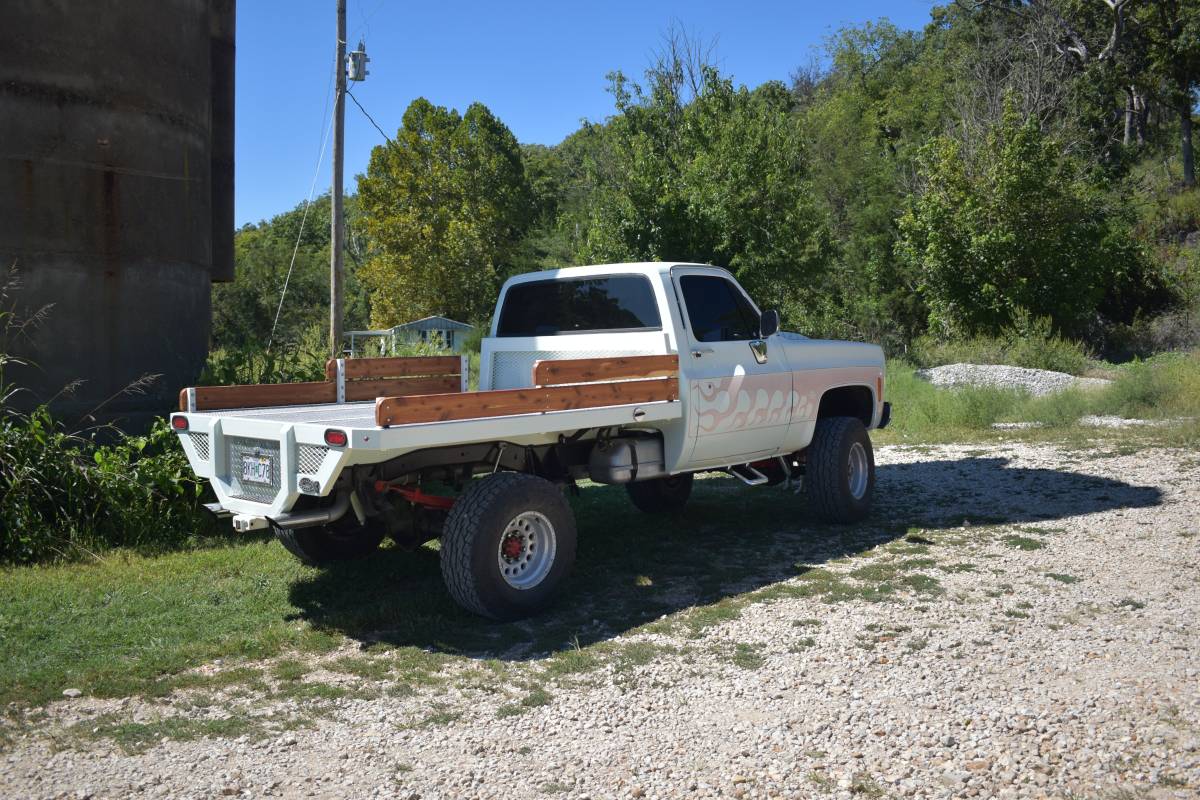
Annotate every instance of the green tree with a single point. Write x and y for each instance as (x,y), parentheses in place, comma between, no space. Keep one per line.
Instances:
(885,93)
(445,205)
(244,310)
(1171,31)
(698,170)
(1011,231)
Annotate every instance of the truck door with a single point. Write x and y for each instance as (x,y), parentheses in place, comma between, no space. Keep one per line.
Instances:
(739,386)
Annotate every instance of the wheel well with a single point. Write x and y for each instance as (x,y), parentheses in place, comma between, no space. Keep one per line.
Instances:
(848,401)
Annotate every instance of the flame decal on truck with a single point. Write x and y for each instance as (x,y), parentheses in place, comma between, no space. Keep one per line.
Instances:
(742,401)
(723,405)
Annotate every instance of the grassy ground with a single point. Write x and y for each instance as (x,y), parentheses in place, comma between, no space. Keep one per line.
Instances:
(132,624)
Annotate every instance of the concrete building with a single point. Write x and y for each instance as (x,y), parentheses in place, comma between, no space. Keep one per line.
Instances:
(116,162)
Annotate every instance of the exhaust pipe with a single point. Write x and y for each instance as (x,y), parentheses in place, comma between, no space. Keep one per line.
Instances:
(320,516)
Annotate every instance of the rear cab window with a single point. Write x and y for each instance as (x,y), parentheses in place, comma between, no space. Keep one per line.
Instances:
(557,306)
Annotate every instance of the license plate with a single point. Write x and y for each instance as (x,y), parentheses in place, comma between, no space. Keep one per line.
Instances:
(257,469)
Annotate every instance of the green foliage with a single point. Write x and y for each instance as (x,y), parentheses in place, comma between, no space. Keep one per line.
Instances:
(446,205)
(302,360)
(720,177)
(244,310)
(66,496)
(1009,230)
(1028,343)
(1165,387)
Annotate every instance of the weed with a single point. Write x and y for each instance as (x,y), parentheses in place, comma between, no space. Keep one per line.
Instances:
(862,784)
(708,616)
(572,661)
(1062,578)
(373,669)
(1024,542)
(289,669)
(536,698)
(916,644)
(441,716)
(135,737)
(746,656)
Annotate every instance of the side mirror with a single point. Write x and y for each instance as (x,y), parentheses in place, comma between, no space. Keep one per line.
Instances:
(768,324)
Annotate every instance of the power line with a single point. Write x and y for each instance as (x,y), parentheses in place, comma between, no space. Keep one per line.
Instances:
(369,117)
(304,217)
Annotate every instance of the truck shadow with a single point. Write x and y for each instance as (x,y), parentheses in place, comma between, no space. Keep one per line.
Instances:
(632,569)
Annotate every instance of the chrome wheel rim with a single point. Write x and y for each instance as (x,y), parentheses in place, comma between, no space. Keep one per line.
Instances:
(525,554)
(857,471)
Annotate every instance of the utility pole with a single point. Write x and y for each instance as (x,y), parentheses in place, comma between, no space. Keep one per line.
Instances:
(336,226)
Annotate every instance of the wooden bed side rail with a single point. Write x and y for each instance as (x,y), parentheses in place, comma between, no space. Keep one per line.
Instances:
(403,367)
(405,410)
(215,398)
(346,380)
(613,368)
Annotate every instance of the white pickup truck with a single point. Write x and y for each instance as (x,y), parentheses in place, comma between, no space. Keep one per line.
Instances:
(641,374)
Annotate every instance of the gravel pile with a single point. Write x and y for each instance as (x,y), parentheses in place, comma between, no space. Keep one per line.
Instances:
(1054,656)
(1037,382)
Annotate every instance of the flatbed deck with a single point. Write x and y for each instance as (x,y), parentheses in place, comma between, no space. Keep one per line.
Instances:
(342,415)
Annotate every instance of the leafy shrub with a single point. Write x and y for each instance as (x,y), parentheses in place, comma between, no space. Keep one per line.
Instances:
(301,361)
(63,495)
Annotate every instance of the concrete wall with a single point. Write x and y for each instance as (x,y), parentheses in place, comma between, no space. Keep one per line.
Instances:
(116,169)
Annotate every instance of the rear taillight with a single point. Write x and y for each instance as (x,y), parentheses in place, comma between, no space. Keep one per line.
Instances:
(336,438)
(179,422)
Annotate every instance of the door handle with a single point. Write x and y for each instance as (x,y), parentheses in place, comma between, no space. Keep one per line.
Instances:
(697,352)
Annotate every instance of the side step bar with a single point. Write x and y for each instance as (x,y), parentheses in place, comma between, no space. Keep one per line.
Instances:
(748,475)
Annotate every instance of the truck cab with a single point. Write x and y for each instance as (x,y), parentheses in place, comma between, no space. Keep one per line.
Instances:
(748,392)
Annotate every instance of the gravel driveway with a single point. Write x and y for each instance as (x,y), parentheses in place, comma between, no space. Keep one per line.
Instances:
(1021,623)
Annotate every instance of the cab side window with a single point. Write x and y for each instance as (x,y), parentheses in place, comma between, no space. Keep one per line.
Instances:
(716,309)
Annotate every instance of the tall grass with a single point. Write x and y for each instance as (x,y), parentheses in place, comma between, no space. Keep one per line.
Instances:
(1165,387)
(1028,343)
(66,495)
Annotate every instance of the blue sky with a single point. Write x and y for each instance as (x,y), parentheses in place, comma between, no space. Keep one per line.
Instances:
(538,66)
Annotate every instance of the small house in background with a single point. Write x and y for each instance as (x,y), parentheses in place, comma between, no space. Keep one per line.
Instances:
(441,332)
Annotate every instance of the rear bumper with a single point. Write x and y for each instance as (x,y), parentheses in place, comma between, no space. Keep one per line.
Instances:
(885,417)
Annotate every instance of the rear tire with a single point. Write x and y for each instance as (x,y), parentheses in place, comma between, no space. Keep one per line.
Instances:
(343,540)
(508,544)
(840,474)
(661,495)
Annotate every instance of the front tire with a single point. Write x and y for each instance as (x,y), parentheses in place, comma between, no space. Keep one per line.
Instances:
(508,543)
(661,495)
(840,475)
